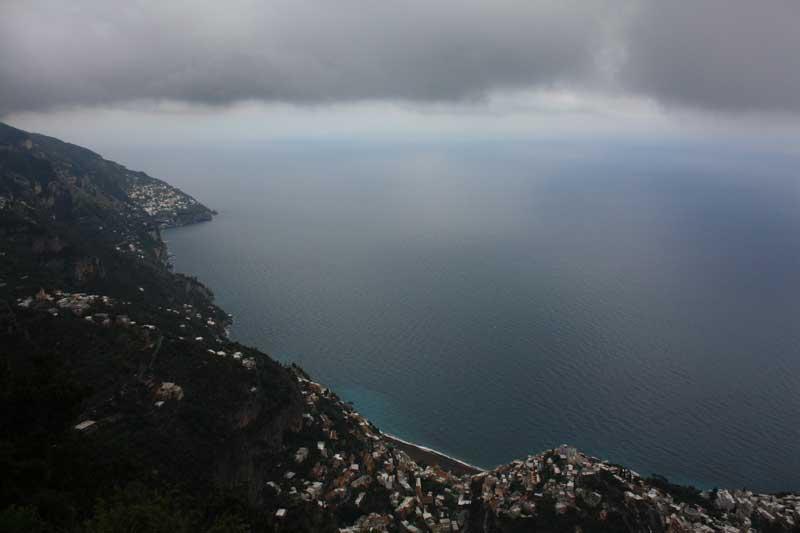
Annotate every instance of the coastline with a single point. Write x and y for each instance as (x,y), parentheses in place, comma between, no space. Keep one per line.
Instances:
(429,456)
(556,489)
(417,452)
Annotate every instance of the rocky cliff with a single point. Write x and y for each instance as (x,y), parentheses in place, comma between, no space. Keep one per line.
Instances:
(126,407)
(100,335)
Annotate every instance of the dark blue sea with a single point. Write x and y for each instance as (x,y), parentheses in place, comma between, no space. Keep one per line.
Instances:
(638,300)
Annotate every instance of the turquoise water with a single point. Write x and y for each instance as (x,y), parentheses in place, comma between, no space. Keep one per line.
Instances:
(492,300)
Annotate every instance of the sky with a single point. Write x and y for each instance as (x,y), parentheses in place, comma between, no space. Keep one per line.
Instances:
(153,71)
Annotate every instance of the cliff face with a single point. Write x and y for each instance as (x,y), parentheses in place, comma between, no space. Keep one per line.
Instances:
(126,407)
(98,333)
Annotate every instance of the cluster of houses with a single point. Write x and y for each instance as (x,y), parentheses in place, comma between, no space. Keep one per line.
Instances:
(247,362)
(160,200)
(194,319)
(77,303)
(198,328)
(352,465)
(132,247)
(741,506)
(569,480)
(99,309)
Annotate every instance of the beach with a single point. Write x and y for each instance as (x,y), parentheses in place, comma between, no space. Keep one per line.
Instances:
(428,456)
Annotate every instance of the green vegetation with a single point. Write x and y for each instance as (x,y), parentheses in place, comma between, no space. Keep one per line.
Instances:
(68,224)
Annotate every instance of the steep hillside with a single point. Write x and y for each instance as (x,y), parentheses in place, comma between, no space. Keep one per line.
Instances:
(127,408)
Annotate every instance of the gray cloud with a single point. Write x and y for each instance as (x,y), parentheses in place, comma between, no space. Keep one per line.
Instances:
(740,55)
(718,54)
(85,52)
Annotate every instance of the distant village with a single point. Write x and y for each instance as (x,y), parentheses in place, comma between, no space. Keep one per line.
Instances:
(161,201)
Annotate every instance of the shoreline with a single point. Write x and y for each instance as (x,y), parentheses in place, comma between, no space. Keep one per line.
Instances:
(432,457)
(417,452)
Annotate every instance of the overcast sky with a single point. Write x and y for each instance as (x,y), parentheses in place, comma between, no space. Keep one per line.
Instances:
(246,69)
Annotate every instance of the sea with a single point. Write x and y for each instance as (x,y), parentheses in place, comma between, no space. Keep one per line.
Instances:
(638,300)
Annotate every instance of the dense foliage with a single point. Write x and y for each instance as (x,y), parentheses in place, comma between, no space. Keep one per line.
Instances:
(67,224)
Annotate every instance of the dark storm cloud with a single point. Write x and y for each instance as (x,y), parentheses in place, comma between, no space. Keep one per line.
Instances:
(60,53)
(717,54)
(723,54)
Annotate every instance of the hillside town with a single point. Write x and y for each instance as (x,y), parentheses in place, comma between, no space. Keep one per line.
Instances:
(571,482)
(159,200)
(353,464)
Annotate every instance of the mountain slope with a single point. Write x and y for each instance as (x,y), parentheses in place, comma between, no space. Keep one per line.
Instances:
(126,407)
